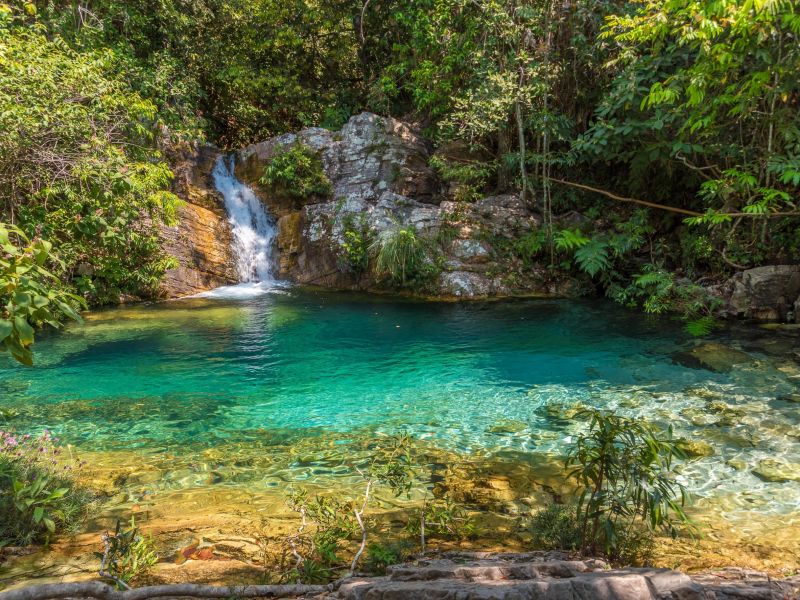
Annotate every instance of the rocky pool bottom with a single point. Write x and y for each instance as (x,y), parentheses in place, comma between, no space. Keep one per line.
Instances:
(233,533)
(198,416)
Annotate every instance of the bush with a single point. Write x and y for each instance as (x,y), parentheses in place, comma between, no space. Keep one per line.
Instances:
(556,528)
(30,296)
(403,256)
(357,237)
(296,172)
(127,556)
(624,469)
(40,497)
(380,556)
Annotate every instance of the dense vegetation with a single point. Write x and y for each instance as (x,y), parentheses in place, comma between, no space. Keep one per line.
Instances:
(687,109)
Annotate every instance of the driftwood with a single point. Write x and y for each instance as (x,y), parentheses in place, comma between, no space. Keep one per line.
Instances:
(102,591)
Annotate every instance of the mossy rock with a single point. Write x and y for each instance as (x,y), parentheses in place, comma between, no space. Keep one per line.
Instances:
(737,464)
(777,471)
(507,426)
(712,356)
(696,448)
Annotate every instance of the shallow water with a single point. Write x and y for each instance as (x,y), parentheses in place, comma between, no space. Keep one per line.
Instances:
(201,380)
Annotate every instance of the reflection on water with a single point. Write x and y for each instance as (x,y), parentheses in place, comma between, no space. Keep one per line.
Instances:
(209,387)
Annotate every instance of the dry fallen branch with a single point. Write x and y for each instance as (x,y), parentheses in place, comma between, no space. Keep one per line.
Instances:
(102,591)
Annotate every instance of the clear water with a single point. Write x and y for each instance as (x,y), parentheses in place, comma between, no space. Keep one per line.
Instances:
(184,376)
(252,228)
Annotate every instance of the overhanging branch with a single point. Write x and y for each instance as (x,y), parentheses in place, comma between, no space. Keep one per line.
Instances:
(675,209)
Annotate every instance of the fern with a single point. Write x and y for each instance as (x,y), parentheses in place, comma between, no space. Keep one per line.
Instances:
(700,327)
(592,257)
(568,240)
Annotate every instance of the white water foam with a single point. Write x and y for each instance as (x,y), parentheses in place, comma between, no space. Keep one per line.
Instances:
(253,229)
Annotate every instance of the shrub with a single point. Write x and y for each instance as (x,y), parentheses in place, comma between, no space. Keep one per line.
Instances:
(39,495)
(127,556)
(296,172)
(556,527)
(443,519)
(624,468)
(357,237)
(30,296)
(403,256)
(381,556)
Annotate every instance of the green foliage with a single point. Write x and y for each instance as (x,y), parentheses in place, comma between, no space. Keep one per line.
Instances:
(295,171)
(40,497)
(568,240)
(357,237)
(625,472)
(403,256)
(128,555)
(443,519)
(530,245)
(658,292)
(30,296)
(556,527)
(78,163)
(381,556)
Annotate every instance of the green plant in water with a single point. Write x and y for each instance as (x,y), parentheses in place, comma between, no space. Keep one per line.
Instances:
(295,171)
(403,256)
(30,296)
(127,555)
(625,471)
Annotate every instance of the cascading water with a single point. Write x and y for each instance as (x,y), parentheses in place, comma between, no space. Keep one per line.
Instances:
(253,229)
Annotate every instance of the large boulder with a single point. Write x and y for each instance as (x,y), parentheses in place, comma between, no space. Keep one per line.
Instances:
(769,293)
(201,240)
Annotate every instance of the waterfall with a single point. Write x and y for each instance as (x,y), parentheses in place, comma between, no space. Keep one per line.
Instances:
(253,229)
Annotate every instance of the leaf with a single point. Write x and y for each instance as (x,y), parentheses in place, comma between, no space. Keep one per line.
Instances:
(38,513)
(24,331)
(6,327)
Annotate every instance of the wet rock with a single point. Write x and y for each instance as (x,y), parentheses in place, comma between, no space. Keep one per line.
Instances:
(737,464)
(764,293)
(201,239)
(712,356)
(777,471)
(507,426)
(696,448)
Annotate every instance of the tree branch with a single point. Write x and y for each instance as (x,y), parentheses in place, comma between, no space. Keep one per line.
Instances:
(675,209)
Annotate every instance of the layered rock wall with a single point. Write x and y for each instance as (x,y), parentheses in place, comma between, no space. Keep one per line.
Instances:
(201,240)
(379,171)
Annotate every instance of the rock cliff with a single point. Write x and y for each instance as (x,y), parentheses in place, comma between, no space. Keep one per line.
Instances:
(201,241)
(379,172)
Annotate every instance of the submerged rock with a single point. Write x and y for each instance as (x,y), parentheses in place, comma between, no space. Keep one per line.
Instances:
(507,426)
(777,471)
(712,356)
(696,448)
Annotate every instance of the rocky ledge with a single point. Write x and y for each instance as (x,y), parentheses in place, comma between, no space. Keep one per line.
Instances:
(552,576)
(379,171)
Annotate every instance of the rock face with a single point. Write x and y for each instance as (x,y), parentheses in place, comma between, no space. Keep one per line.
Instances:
(551,576)
(379,173)
(770,293)
(201,241)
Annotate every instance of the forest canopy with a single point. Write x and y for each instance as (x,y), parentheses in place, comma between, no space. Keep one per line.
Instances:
(687,107)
